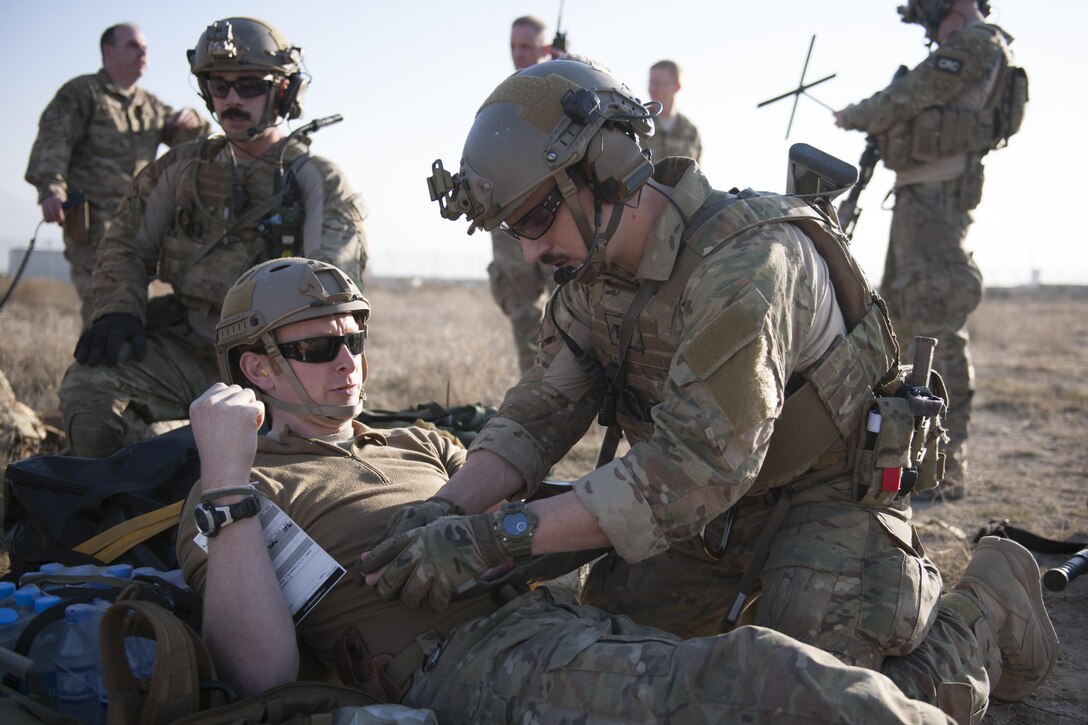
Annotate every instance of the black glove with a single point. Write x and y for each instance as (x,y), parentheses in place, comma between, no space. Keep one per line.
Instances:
(105,335)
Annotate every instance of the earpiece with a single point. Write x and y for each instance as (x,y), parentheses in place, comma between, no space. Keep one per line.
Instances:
(289,97)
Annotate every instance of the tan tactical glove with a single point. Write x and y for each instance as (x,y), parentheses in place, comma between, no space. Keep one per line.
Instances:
(428,565)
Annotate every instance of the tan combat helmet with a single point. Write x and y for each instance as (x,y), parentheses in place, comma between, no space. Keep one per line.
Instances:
(561,120)
(930,13)
(248,44)
(276,293)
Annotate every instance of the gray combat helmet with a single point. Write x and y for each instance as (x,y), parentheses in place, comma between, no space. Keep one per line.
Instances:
(930,13)
(246,44)
(276,293)
(543,123)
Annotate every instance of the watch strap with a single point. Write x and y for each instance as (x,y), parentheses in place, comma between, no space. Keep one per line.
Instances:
(248,489)
(226,514)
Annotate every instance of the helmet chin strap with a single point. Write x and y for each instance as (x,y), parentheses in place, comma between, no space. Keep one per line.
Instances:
(593,240)
(336,414)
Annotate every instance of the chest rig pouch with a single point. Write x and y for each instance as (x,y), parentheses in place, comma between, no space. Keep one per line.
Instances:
(219,231)
(945,130)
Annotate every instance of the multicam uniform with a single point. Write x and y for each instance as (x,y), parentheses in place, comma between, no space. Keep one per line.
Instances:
(529,657)
(929,131)
(94,137)
(168,226)
(518,289)
(710,362)
(22,432)
(675,137)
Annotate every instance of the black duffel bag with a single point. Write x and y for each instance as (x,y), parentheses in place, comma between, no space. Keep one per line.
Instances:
(120,509)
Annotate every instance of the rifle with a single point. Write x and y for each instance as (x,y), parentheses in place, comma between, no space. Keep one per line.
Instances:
(849,211)
(559,42)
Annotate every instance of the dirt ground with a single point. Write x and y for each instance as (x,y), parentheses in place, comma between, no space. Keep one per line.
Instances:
(1029,457)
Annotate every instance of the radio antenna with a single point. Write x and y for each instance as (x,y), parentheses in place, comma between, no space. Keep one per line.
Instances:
(801,89)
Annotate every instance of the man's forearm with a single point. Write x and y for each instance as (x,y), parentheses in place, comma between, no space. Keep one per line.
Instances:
(485,480)
(247,626)
(564,524)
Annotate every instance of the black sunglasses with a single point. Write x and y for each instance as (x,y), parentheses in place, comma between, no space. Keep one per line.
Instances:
(538,220)
(247,87)
(322,349)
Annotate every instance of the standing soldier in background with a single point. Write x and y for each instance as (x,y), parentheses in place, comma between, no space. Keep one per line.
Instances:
(197,218)
(93,138)
(674,133)
(933,125)
(516,285)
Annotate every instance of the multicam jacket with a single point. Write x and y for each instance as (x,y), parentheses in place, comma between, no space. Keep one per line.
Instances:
(711,359)
(929,120)
(181,204)
(94,137)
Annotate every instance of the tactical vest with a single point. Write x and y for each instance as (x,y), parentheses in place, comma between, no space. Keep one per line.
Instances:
(215,238)
(941,131)
(825,405)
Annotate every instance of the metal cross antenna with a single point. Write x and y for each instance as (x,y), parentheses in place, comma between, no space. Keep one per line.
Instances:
(801,89)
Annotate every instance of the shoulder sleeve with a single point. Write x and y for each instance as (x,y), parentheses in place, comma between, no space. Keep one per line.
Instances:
(334,228)
(553,404)
(749,309)
(60,128)
(960,64)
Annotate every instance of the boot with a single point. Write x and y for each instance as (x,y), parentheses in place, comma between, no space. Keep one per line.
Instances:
(1000,598)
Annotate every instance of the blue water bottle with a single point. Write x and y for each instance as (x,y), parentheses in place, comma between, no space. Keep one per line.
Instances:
(76,661)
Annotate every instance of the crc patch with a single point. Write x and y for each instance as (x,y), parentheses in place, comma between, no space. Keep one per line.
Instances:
(947,64)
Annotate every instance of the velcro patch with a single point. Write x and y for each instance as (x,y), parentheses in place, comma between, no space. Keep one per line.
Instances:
(947,64)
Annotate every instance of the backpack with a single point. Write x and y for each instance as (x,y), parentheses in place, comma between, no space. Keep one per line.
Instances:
(120,509)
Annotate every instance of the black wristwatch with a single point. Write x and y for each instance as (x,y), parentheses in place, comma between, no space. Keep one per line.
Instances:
(515,525)
(211,518)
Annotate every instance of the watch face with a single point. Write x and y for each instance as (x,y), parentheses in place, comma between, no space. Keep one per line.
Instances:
(205,524)
(515,524)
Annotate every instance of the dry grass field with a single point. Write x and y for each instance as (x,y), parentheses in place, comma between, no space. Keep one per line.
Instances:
(447,341)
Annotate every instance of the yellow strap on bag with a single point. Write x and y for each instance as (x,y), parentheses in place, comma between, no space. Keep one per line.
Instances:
(118,539)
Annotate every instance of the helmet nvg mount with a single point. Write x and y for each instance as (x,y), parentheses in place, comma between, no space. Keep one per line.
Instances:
(556,121)
(931,13)
(246,44)
(276,293)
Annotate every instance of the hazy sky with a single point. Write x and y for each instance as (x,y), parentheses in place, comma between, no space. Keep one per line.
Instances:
(408,77)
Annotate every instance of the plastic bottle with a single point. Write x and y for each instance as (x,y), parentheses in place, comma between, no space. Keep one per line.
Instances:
(9,627)
(140,651)
(119,571)
(44,647)
(173,576)
(7,594)
(76,660)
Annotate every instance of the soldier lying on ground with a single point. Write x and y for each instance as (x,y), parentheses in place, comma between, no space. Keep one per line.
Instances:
(197,218)
(488,657)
